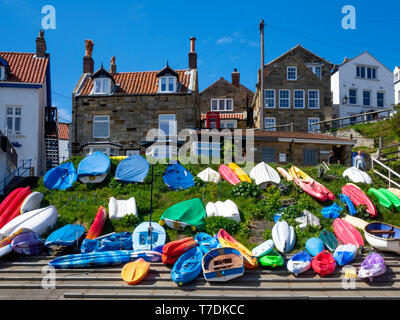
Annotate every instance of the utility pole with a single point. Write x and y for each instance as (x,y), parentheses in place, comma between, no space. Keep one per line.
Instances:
(262,77)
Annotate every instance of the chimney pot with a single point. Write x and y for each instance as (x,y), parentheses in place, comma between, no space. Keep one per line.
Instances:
(235,78)
(113,66)
(192,54)
(88,63)
(40,45)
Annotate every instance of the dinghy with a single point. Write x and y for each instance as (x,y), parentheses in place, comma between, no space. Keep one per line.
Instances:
(347,233)
(382,197)
(61,177)
(314,246)
(323,263)
(183,214)
(357,222)
(32,202)
(188,267)
(9,199)
(226,240)
(210,175)
(176,177)
(239,172)
(358,197)
(263,248)
(134,272)
(227,209)
(329,240)
(357,176)
(132,169)
(65,238)
(345,253)
(206,242)
(347,201)
(14,208)
(94,167)
(307,219)
(141,239)
(283,236)
(97,226)
(228,174)
(392,197)
(27,243)
(286,175)
(174,249)
(383,236)
(117,209)
(373,266)
(264,175)
(272,259)
(310,186)
(299,263)
(37,220)
(222,264)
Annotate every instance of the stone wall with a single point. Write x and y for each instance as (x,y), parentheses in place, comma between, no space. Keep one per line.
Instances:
(354,135)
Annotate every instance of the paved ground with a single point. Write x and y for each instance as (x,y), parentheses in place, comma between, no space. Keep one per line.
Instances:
(21,278)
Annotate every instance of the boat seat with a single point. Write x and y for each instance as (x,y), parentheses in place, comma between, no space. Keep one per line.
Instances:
(224,262)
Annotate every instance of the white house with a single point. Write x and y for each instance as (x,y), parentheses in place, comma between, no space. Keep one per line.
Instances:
(360,85)
(396,74)
(63,142)
(26,115)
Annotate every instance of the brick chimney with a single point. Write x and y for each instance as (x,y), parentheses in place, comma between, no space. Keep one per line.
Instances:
(88,63)
(235,78)
(40,45)
(192,54)
(113,66)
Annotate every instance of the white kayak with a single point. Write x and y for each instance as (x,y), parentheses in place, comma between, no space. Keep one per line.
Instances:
(283,236)
(357,176)
(5,250)
(264,175)
(117,209)
(38,220)
(356,222)
(307,218)
(227,209)
(210,175)
(32,202)
(263,249)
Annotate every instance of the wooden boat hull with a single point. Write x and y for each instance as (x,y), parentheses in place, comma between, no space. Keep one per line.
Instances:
(222,264)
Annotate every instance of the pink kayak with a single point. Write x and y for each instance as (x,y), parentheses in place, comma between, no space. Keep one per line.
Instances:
(228,174)
(347,233)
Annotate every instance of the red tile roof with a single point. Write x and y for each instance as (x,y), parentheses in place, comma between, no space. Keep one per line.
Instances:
(63,131)
(239,116)
(138,83)
(25,67)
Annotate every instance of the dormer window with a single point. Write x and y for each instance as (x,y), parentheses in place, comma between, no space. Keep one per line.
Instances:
(102,86)
(168,84)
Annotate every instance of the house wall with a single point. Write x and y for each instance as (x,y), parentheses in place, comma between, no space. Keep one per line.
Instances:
(63,150)
(397,86)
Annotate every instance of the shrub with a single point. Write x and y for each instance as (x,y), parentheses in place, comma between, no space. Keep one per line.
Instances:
(246,189)
(199,182)
(130,220)
(214,224)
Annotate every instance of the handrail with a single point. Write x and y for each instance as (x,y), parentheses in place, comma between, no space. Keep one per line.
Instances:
(16,173)
(390,172)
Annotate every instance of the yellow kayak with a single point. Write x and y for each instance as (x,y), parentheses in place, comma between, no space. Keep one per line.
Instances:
(239,172)
(285,174)
(118,157)
(134,272)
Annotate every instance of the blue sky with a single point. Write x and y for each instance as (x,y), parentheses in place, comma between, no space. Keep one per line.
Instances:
(143,35)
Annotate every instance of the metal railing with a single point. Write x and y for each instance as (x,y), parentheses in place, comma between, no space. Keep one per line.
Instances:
(385,151)
(26,165)
(391,172)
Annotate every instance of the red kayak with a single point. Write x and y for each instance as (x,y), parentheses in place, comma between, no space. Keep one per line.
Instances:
(97,226)
(228,174)
(358,197)
(7,201)
(14,206)
(174,249)
(347,233)
(324,263)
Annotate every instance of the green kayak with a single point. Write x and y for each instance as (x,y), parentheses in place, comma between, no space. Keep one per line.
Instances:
(329,239)
(272,259)
(392,197)
(383,199)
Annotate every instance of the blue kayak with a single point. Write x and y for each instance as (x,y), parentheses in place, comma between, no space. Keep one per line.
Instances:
(61,177)
(115,241)
(67,236)
(188,266)
(132,169)
(177,177)
(300,262)
(141,239)
(332,211)
(314,246)
(206,242)
(344,254)
(350,206)
(94,167)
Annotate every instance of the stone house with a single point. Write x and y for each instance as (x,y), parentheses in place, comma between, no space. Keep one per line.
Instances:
(113,112)
(296,91)
(231,100)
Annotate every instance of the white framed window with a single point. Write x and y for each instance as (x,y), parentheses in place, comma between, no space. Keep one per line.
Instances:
(299,99)
(132,152)
(222,104)
(311,127)
(380,99)
(317,70)
(269,98)
(102,86)
(284,98)
(111,152)
(269,122)
(101,127)
(352,96)
(313,99)
(167,84)
(228,124)
(167,123)
(13,119)
(366,98)
(291,73)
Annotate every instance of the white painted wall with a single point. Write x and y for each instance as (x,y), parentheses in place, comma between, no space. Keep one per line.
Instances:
(63,150)
(396,75)
(345,79)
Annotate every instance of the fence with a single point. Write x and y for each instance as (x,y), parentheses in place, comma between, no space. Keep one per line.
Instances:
(390,175)
(26,165)
(385,151)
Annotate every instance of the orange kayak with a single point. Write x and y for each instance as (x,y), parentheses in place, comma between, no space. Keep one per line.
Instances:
(174,249)
(134,272)
(239,172)
(97,226)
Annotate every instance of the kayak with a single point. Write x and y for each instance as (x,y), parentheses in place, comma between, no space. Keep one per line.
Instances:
(222,264)
(357,176)
(226,240)
(323,263)
(27,243)
(310,186)
(357,222)
(9,199)
(188,267)
(299,263)
(14,208)
(314,246)
(263,248)
(108,242)
(373,266)
(345,253)
(307,219)
(392,197)
(5,250)
(382,197)
(347,233)
(358,197)
(6,241)
(32,202)
(329,240)
(228,174)
(174,249)
(264,175)
(284,174)
(347,201)
(97,226)
(136,271)
(383,236)
(206,242)
(141,239)
(283,236)
(395,191)
(147,255)
(271,259)
(209,175)
(239,172)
